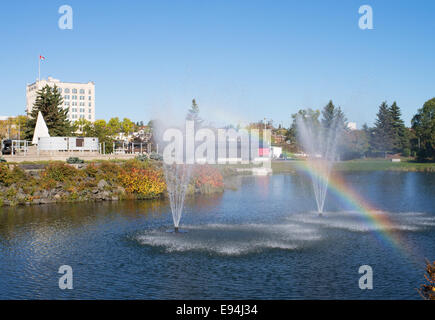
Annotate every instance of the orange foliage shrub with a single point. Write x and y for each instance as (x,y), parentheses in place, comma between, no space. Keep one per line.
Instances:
(427,291)
(207,179)
(145,182)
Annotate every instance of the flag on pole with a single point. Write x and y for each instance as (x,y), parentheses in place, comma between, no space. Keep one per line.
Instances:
(41,58)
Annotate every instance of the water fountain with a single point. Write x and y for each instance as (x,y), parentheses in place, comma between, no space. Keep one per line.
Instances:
(319,142)
(171,140)
(177,178)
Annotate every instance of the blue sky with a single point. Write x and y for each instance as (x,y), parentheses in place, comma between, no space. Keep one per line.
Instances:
(241,60)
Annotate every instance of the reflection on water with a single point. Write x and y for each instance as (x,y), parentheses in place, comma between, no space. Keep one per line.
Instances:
(262,240)
(45,219)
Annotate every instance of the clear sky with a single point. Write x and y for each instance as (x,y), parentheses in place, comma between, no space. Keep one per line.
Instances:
(242,60)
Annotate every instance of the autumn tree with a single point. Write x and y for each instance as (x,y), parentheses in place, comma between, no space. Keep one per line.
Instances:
(423,124)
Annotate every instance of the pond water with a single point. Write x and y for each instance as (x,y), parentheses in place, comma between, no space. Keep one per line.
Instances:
(260,241)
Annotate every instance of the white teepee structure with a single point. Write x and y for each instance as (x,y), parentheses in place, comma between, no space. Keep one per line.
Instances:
(41,130)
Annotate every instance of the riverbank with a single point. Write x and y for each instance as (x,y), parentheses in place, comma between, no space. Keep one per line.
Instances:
(360,165)
(58,182)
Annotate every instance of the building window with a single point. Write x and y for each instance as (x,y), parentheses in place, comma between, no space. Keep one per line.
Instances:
(82,116)
(74,97)
(67,97)
(82,91)
(90,92)
(90,104)
(74,90)
(82,97)
(90,98)
(74,109)
(82,110)
(67,103)
(66,90)
(59,90)
(90,110)
(89,117)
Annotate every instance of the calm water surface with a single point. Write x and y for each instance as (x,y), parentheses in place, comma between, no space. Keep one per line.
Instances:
(261,241)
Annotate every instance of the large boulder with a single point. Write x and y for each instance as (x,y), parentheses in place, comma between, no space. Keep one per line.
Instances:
(102,184)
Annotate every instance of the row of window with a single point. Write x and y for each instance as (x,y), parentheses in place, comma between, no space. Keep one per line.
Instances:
(67,97)
(82,110)
(66,90)
(82,104)
(82,116)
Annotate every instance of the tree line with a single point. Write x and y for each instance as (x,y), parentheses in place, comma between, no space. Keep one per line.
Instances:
(388,136)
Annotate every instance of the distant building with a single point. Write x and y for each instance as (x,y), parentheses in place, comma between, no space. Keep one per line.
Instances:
(276,152)
(278,138)
(351,126)
(78,98)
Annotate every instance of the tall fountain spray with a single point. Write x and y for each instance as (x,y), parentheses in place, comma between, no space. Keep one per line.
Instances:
(178,159)
(319,142)
(177,178)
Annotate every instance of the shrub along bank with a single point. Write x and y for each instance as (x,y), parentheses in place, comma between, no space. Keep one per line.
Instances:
(99,181)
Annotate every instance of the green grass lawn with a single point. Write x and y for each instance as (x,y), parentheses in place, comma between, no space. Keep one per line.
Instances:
(361,165)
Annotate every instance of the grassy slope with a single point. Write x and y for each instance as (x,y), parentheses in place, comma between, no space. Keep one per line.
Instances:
(361,165)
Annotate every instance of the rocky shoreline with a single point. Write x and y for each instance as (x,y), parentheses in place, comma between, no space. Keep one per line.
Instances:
(65,183)
(103,192)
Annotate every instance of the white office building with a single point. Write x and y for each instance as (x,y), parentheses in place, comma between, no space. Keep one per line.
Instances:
(78,98)
(351,126)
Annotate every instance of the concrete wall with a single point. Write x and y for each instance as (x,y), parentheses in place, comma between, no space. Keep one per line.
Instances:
(58,156)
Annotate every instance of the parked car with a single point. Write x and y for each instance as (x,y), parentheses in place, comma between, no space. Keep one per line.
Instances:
(6,146)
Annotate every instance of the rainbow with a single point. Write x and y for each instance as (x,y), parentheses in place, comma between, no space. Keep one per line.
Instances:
(383,227)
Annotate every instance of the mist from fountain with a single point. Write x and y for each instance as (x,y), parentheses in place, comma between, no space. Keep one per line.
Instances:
(320,145)
(177,178)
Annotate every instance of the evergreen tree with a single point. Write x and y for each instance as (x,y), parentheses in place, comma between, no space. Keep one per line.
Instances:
(333,117)
(193,114)
(49,101)
(328,115)
(400,134)
(383,132)
(341,120)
